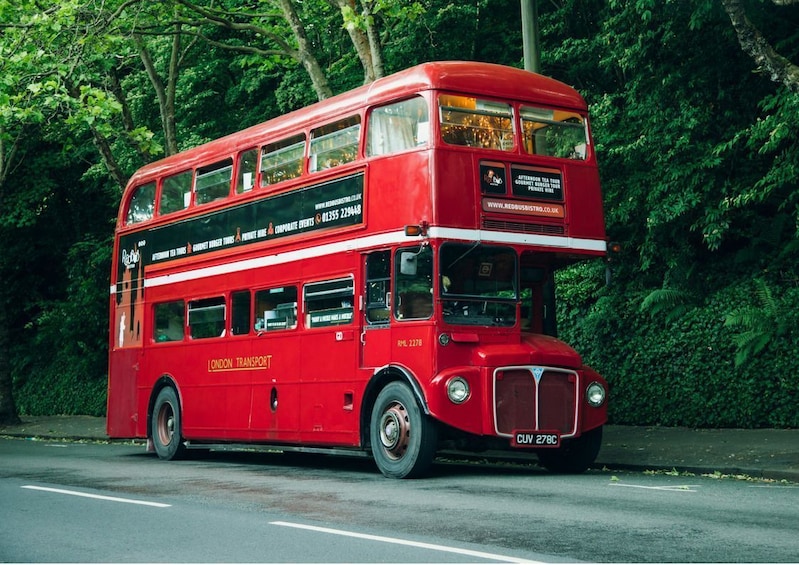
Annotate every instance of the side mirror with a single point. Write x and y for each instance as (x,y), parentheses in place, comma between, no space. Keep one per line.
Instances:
(408,263)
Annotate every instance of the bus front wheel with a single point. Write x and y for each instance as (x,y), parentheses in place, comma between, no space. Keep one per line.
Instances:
(403,438)
(165,426)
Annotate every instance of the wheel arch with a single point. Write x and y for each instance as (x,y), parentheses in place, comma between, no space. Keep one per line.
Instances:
(379,380)
(163,382)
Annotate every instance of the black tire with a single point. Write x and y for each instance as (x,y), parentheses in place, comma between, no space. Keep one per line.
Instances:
(166,425)
(403,437)
(575,455)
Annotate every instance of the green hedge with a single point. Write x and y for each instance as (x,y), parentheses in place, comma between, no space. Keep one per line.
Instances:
(683,371)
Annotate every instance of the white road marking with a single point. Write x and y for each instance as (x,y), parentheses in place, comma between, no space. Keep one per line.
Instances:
(434,547)
(98,496)
(675,488)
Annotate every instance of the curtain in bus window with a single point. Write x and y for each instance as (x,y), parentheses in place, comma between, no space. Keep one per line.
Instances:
(398,127)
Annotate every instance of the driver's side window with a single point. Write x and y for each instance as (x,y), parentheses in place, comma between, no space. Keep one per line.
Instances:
(413,268)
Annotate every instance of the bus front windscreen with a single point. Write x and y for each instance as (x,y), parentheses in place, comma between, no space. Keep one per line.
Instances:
(478,284)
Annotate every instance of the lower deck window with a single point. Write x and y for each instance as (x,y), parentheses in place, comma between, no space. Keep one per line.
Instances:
(329,303)
(276,309)
(169,321)
(207,318)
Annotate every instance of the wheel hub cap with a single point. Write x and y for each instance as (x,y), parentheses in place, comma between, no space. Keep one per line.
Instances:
(395,430)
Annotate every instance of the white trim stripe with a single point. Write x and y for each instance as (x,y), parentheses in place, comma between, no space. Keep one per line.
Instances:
(395,237)
(520,238)
(280,258)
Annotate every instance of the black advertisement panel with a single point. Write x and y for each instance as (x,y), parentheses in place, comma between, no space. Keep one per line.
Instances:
(536,182)
(492,178)
(333,204)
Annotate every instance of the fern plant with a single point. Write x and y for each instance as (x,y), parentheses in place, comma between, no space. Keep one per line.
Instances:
(757,325)
(671,303)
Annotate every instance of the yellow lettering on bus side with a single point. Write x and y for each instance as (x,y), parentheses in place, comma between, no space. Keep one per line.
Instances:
(240,363)
(222,364)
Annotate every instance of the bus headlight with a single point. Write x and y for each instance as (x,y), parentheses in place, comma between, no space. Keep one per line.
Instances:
(595,394)
(458,390)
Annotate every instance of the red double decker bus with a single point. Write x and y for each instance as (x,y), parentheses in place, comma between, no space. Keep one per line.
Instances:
(371,274)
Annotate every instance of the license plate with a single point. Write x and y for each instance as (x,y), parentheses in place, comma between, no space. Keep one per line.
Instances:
(522,438)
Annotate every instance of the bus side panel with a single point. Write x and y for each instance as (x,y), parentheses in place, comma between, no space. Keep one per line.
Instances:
(401,186)
(216,396)
(122,417)
(329,370)
(275,404)
(584,202)
(455,192)
(125,357)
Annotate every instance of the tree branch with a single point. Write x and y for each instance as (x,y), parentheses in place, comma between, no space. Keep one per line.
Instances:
(780,69)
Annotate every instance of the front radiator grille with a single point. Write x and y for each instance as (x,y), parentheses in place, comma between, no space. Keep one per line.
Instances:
(522,402)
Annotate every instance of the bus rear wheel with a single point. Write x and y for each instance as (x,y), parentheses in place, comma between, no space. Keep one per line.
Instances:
(575,455)
(165,425)
(403,439)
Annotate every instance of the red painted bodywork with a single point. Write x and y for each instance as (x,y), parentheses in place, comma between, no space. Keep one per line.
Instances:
(323,376)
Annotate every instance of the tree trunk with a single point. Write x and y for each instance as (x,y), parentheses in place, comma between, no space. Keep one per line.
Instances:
(780,69)
(375,46)
(306,57)
(360,40)
(8,409)
(164,92)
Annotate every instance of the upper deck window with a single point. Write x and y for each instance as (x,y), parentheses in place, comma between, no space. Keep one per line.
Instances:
(476,123)
(142,204)
(175,193)
(398,127)
(282,160)
(248,162)
(554,133)
(334,144)
(213,182)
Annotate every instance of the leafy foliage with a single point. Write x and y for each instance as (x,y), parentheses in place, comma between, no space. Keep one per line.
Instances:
(759,324)
(698,153)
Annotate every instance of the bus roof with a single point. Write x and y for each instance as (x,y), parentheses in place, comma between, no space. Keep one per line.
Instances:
(463,77)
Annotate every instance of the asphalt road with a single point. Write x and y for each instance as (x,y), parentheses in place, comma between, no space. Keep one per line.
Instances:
(92,502)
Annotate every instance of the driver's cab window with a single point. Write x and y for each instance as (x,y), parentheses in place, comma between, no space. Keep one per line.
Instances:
(537,296)
(478,284)
(413,268)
